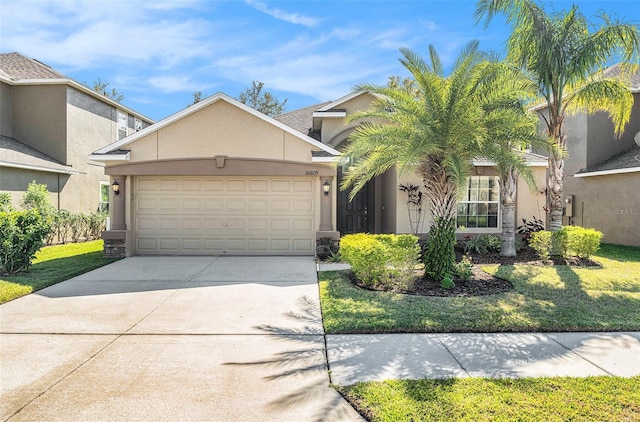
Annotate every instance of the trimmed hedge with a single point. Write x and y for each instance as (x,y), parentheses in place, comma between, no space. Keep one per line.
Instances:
(566,242)
(381,259)
(22,234)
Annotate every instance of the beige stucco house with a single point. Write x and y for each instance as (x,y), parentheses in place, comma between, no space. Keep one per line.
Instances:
(220,178)
(49,124)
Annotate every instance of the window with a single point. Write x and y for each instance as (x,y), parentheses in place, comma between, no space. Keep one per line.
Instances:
(137,124)
(480,205)
(122,125)
(104,196)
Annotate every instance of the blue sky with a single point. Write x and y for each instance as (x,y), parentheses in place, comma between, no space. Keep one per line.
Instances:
(157,53)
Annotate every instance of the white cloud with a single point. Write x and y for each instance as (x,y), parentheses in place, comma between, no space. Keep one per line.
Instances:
(295,18)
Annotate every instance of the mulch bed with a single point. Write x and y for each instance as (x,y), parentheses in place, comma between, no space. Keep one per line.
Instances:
(481,283)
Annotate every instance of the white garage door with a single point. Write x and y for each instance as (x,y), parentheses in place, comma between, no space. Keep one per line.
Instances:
(224,215)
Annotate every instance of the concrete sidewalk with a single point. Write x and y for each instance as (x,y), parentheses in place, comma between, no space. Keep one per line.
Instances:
(171,338)
(355,358)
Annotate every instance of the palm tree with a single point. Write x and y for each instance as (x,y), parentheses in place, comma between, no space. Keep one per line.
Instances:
(436,130)
(511,128)
(565,57)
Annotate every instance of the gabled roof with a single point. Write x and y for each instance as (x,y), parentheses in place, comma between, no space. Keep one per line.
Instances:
(17,67)
(14,153)
(198,106)
(627,161)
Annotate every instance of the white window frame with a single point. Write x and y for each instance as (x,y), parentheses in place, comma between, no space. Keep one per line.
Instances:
(100,202)
(480,201)
(121,124)
(137,124)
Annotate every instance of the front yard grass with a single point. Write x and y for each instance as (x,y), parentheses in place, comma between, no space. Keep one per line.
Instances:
(473,399)
(550,298)
(52,265)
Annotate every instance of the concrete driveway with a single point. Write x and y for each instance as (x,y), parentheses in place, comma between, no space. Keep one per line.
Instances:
(171,338)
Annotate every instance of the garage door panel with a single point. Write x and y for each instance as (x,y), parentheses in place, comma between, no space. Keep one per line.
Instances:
(216,215)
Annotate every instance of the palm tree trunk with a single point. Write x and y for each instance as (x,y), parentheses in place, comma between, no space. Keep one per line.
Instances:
(555,191)
(508,190)
(442,194)
(555,179)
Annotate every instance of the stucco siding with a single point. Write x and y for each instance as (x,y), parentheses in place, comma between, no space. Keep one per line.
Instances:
(531,203)
(220,129)
(6,110)
(39,118)
(15,182)
(610,204)
(90,124)
(216,130)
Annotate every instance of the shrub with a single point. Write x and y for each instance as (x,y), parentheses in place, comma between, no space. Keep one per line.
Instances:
(582,242)
(464,268)
(447,283)
(21,236)
(529,227)
(481,244)
(439,257)
(566,242)
(381,259)
(37,198)
(5,202)
(540,241)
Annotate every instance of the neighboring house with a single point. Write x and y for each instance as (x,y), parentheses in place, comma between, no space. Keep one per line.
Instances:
(221,178)
(48,126)
(602,174)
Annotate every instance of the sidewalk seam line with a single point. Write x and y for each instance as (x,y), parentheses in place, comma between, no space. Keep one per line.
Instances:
(453,356)
(579,355)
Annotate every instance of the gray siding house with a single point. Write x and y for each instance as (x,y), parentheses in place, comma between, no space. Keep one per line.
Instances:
(48,126)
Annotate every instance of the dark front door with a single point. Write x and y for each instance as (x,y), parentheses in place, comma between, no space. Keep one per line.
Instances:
(355,216)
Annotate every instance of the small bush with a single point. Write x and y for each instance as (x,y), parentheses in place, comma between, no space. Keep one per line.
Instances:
(481,244)
(447,283)
(5,202)
(540,241)
(21,236)
(37,198)
(566,242)
(582,242)
(464,268)
(529,227)
(381,259)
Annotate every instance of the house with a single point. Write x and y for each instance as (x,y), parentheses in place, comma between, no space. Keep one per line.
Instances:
(48,126)
(220,178)
(602,174)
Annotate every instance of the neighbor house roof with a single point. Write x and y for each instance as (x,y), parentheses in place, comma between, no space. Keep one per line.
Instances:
(631,77)
(14,153)
(100,154)
(16,69)
(627,161)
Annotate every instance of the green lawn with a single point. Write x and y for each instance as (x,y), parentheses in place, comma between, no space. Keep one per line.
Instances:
(473,399)
(557,298)
(52,265)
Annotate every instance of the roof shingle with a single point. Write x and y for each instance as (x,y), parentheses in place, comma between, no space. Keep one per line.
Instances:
(17,67)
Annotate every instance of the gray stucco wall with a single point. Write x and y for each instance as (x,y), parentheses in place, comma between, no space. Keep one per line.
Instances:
(6,110)
(610,204)
(39,118)
(15,182)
